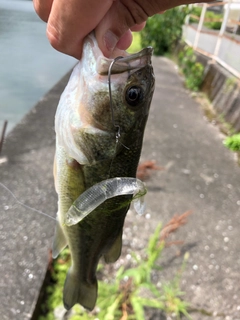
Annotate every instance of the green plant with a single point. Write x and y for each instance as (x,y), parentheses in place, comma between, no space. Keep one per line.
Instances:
(136,44)
(192,70)
(213,20)
(54,290)
(163,31)
(123,298)
(233,142)
(195,11)
(230,84)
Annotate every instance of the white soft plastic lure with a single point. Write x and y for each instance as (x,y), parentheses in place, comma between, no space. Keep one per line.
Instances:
(102,191)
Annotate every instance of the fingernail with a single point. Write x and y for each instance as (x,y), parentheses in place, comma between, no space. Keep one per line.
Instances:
(110,40)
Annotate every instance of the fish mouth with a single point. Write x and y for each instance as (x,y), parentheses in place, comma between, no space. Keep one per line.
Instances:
(121,61)
(129,62)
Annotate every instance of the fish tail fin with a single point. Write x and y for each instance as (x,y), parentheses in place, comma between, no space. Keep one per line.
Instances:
(77,291)
(115,250)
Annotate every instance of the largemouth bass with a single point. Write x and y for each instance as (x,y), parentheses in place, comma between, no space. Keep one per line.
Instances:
(98,140)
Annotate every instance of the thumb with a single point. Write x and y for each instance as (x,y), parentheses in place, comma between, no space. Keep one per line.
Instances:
(113,31)
(110,30)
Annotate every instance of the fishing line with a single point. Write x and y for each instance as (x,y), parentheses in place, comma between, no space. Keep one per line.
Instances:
(110,97)
(118,133)
(117,126)
(24,205)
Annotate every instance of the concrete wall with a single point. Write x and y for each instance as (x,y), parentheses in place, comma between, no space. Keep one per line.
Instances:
(223,90)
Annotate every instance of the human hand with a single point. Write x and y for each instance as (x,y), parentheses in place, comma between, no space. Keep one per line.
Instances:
(69,22)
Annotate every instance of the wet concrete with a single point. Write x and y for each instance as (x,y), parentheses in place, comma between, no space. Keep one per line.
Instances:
(200,175)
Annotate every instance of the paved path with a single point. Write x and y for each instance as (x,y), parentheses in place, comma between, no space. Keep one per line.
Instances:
(200,175)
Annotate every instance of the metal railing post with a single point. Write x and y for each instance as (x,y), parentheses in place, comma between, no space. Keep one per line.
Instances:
(222,30)
(187,19)
(200,24)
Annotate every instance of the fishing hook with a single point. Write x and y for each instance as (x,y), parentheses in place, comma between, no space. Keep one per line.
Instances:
(117,126)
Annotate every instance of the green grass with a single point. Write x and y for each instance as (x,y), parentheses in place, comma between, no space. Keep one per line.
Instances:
(233,142)
(121,297)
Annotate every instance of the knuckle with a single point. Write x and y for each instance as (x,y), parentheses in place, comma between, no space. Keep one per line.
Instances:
(61,43)
(41,11)
(139,15)
(136,11)
(54,38)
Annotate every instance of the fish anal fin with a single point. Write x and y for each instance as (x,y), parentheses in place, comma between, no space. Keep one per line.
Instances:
(77,291)
(59,241)
(115,250)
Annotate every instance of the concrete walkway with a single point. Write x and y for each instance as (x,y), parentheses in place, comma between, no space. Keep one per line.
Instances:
(200,175)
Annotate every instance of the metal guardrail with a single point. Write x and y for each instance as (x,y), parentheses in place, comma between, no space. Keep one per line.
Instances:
(220,39)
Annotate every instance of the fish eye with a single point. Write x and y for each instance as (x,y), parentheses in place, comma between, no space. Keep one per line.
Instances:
(134,95)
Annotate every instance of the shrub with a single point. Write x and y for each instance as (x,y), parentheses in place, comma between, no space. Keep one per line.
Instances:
(163,31)
(196,11)
(192,70)
(215,25)
(233,142)
(210,16)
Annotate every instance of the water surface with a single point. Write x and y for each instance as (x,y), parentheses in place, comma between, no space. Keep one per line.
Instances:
(29,66)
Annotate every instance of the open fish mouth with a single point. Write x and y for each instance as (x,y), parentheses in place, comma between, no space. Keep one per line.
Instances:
(96,62)
(126,63)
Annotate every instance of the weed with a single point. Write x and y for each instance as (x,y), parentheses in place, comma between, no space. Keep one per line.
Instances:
(192,70)
(230,85)
(233,142)
(133,290)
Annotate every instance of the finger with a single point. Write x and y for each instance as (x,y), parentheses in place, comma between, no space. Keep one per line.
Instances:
(138,27)
(43,8)
(70,21)
(112,27)
(125,41)
(122,16)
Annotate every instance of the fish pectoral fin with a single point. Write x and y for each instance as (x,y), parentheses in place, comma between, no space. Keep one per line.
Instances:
(115,250)
(77,291)
(59,241)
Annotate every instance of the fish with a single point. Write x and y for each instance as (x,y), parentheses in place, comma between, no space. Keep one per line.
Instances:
(98,138)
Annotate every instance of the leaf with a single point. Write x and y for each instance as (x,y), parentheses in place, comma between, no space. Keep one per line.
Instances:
(138,308)
(152,303)
(110,314)
(153,241)
(152,288)
(138,274)
(120,272)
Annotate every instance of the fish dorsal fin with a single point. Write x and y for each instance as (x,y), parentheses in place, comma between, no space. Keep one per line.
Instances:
(115,250)
(59,241)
